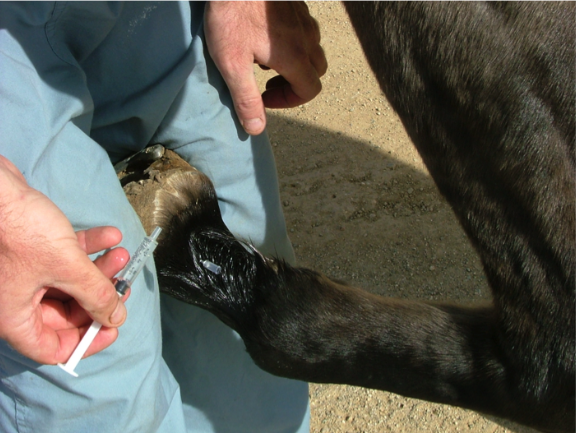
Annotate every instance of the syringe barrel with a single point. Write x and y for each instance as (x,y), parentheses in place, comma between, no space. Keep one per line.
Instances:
(124,281)
(138,260)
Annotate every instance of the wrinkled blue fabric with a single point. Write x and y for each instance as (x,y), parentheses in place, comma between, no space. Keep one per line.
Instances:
(82,86)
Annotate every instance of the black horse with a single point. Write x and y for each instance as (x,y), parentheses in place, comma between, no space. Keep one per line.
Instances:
(487,94)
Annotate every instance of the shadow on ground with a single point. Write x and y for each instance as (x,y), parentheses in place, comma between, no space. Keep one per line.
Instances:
(359,214)
(356,212)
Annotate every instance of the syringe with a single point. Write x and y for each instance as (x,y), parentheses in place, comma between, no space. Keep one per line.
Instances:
(124,280)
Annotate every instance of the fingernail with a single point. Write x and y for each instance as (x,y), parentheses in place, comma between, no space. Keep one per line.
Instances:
(119,314)
(252,124)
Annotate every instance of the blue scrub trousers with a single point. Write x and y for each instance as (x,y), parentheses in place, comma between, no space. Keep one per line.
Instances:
(83,85)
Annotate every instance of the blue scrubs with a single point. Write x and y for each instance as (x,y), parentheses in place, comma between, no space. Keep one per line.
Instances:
(83,85)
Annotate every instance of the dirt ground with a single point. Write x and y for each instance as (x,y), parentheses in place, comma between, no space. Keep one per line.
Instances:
(361,207)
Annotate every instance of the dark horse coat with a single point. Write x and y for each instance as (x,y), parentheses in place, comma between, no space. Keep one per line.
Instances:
(487,94)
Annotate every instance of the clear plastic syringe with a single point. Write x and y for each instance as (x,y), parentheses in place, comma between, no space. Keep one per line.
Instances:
(124,280)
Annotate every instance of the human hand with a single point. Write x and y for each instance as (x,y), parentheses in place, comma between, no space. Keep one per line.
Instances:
(49,289)
(277,35)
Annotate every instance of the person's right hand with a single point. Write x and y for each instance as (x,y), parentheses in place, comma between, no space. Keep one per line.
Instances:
(49,288)
(282,36)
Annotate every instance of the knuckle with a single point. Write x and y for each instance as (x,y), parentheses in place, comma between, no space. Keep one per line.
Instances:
(313,31)
(231,65)
(320,61)
(246,103)
(104,298)
(313,86)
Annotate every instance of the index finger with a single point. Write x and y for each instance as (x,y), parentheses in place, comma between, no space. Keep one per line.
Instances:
(97,239)
(293,87)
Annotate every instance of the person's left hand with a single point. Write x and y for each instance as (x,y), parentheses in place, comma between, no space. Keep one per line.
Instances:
(277,35)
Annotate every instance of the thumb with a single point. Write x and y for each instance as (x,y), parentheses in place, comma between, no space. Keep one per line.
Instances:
(94,292)
(247,99)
